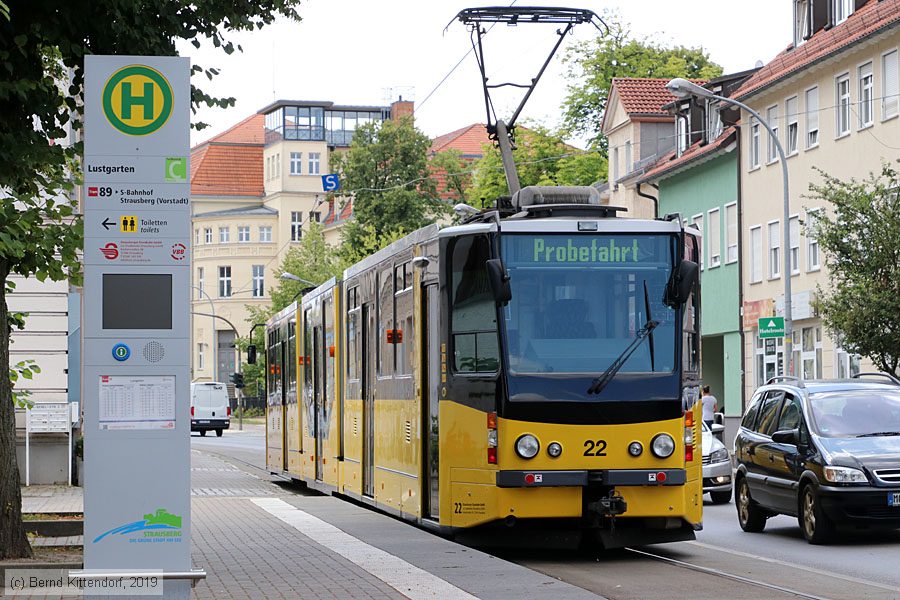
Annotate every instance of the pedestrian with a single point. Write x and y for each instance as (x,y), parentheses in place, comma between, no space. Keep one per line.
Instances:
(710,406)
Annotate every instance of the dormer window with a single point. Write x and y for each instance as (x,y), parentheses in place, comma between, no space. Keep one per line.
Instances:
(713,121)
(802,21)
(841,9)
(682,133)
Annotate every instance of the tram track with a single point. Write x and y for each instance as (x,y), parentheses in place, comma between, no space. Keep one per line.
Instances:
(725,575)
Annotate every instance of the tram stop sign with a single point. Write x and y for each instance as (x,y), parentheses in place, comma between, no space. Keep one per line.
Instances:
(770,327)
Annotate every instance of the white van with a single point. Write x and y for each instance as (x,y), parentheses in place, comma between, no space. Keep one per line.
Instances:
(210,409)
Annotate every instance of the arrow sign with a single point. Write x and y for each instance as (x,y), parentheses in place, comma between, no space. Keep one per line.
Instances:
(770,327)
(106,223)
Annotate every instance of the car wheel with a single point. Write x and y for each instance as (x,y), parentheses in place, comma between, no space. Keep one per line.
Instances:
(720,497)
(202,433)
(750,516)
(218,433)
(817,527)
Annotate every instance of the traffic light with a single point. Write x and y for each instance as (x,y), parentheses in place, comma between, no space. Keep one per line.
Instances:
(238,380)
(251,354)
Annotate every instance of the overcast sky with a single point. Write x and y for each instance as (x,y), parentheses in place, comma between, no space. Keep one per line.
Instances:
(365,52)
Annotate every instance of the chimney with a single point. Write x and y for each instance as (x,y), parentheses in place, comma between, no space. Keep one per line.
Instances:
(401,108)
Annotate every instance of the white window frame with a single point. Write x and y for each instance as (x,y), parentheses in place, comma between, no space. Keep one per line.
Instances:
(627,157)
(812,118)
(812,243)
(682,135)
(753,150)
(265,234)
(197,237)
(200,283)
(207,234)
(841,9)
(243,233)
(315,215)
(842,104)
(773,253)
(801,21)
(714,226)
(224,235)
(200,356)
(697,222)
(278,165)
(296,225)
(793,126)
(731,233)
(756,257)
(865,76)
(615,166)
(315,162)
(771,148)
(296,163)
(794,225)
(890,99)
(259,280)
(224,288)
(713,121)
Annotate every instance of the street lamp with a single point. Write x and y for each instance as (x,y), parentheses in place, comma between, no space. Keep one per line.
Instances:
(292,277)
(682,88)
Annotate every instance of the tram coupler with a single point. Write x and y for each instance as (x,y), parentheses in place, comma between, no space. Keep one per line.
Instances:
(609,506)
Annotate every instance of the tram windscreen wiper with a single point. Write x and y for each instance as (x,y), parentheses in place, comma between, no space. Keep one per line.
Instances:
(647,330)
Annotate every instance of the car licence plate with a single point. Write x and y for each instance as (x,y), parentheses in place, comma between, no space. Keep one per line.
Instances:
(207,423)
(893,498)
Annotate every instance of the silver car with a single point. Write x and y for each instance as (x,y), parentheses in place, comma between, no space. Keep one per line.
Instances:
(716,467)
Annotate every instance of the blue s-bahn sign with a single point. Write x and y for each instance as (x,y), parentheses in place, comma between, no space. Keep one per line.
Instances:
(330,182)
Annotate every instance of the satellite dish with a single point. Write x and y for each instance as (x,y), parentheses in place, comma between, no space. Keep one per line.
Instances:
(758,64)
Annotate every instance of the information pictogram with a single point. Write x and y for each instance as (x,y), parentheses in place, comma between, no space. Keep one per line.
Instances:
(128,223)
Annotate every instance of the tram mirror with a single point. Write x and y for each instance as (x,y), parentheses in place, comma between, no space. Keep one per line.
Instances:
(681,284)
(251,354)
(499,281)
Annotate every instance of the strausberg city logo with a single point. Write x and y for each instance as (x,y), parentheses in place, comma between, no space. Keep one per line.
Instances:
(137,100)
(160,526)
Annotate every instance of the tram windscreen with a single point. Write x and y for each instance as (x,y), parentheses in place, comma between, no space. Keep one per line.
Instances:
(578,301)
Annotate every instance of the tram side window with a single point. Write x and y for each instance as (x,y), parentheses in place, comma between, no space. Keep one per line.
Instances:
(328,308)
(292,362)
(307,352)
(403,301)
(385,322)
(353,333)
(474,313)
(273,365)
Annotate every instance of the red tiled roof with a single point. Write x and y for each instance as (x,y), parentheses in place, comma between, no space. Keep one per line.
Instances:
(231,163)
(467,140)
(643,95)
(869,19)
(669,162)
(345,212)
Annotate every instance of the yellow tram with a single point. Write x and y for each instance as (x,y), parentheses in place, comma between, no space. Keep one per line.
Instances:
(534,368)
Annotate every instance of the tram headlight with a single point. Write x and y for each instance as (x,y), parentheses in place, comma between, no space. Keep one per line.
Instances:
(527,446)
(635,449)
(554,449)
(662,445)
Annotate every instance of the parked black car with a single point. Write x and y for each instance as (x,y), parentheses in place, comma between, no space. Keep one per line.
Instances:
(827,452)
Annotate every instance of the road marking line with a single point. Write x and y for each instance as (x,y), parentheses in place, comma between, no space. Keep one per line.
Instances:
(796,566)
(409,580)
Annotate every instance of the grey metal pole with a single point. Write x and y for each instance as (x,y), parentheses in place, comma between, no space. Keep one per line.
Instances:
(506,155)
(215,353)
(786,224)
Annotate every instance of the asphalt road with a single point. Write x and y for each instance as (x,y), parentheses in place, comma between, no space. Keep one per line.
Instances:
(724,562)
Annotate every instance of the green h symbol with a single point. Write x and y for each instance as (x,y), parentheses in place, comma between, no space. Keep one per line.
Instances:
(129,101)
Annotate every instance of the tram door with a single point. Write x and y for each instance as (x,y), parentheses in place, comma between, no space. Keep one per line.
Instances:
(370,339)
(284,374)
(318,395)
(432,385)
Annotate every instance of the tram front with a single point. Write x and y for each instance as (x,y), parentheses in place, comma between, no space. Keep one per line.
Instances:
(577,349)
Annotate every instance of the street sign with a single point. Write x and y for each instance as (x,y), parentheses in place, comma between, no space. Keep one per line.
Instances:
(135,316)
(770,327)
(330,182)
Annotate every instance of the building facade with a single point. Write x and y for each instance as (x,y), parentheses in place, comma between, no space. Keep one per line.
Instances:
(255,189)
(832,98)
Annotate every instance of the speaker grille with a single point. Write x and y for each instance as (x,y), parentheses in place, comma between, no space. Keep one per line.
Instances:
(154,351)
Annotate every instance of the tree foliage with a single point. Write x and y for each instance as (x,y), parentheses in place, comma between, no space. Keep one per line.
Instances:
(861,243)
(455,172)
(386,170)
(42,49)
(594,63)
(542,158)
